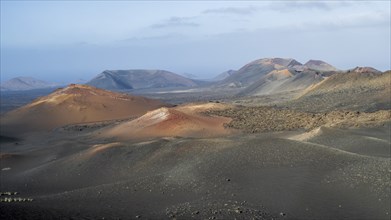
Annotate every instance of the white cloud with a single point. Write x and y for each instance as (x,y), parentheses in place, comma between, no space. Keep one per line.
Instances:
(176,22)
(232,10)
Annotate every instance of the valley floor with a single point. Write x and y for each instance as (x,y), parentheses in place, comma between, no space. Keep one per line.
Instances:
(280,163)
(331,173)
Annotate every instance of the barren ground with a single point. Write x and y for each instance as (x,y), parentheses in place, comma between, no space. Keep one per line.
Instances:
(278,164)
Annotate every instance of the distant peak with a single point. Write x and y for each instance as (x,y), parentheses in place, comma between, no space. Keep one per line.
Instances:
(24,78)
(279,60)
(106,71)
(80,86)
(364,69)
(79,89)
(25,83)
(315,62)
(139,79)
(285,62)
(230,71)
(319,65)
(294,63)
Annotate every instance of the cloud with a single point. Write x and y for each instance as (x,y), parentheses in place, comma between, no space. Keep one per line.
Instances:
(375,20)
(362,20)
(163,39)
(176,22)
(287,6)
(232,10)
(291,5)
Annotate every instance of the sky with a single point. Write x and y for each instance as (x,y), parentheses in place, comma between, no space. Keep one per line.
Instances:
(72,41)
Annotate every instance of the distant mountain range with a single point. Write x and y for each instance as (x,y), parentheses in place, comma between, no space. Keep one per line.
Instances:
(25,83)
(274,75)
(320,87)
(258,70)
(259,77)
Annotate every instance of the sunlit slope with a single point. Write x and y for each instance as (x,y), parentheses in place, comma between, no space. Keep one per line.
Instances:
(183,121)
(75,104)
(355,90)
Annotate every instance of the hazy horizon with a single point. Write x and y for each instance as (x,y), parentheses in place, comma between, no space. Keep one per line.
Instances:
(68,41)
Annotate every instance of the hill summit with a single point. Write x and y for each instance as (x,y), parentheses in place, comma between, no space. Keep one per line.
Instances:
(319,65)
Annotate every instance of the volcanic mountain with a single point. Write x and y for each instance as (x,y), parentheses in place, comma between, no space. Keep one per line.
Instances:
(255,70)
(319,65)
(183,121)
(139,79)
(25,83)
(281,81)
(275,75)
(75,104)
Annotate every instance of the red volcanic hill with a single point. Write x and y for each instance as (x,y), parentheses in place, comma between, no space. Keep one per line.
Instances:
(75,104)
(183,121)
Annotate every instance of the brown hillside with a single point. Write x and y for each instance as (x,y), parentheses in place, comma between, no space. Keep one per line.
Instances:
(75,104)
(183,121)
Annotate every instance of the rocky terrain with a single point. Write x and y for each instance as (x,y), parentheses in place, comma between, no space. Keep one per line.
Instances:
(281,81)
(74,175)
(280,141)
(268,119)
(363,91)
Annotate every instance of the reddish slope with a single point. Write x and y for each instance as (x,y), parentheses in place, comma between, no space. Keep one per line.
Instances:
(75,104)
(184,121)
